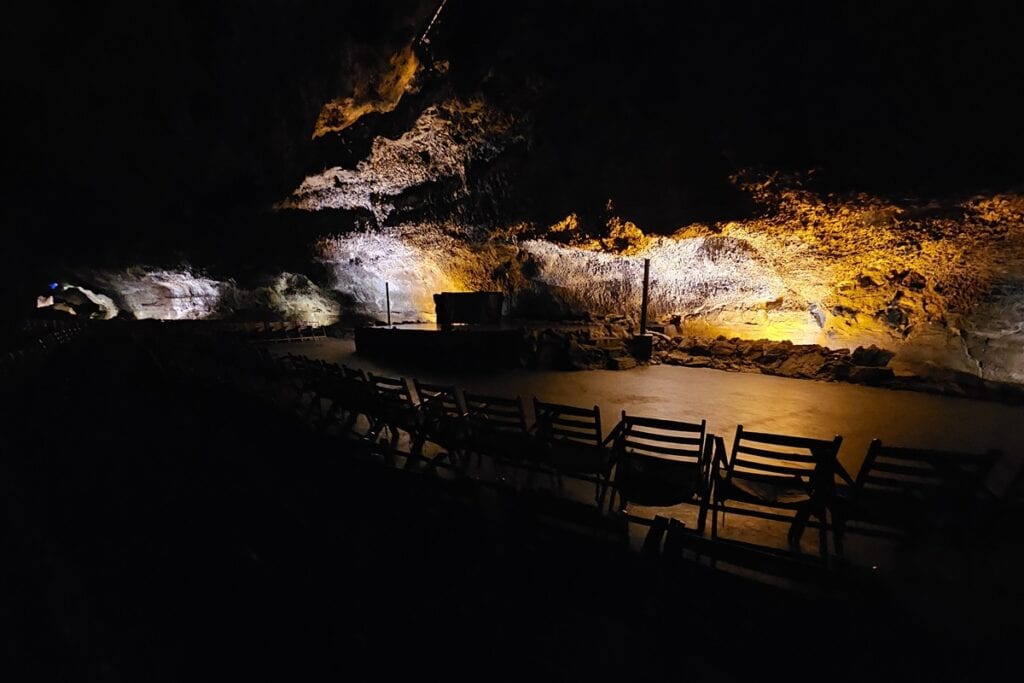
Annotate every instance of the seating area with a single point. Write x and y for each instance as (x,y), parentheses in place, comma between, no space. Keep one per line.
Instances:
(662,478)
(31,346)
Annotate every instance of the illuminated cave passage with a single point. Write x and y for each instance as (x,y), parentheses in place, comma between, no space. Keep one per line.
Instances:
(512,340)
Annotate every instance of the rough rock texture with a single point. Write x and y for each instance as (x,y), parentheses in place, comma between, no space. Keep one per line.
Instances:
(186,295)
(443,142)
(689,274)
(163,294)
(376,95)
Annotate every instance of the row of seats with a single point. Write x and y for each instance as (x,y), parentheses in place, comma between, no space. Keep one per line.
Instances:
(250,331)
(899,493)
(276,331)
(42,340)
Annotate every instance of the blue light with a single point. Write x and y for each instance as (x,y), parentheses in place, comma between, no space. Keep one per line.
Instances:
(53,285)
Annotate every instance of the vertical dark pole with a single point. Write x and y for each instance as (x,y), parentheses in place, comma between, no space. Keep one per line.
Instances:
(643,303)
(387,296)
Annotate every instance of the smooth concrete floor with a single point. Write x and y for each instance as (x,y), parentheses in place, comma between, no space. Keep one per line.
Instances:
(726,399)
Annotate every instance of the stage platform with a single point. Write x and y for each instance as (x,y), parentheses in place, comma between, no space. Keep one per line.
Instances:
(462,346)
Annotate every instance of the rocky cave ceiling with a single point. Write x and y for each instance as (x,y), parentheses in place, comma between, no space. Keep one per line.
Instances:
(824,175)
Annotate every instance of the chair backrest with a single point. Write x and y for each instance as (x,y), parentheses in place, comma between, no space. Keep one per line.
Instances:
(661,439)
(442,399)
(661,462)
(350,388)
(352,373)
(393,392)
(503,414)
(759,456)
(557,422)
(898,473)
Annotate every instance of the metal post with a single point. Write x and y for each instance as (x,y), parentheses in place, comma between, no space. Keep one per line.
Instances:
(387,296)
(643,303)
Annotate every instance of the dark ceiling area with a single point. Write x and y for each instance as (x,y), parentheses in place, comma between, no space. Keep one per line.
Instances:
(166,129)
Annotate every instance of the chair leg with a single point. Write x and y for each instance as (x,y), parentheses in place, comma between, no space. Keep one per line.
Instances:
(823,538)
(392,446)
(837,535)
(611,499)
(796,529)
(416,449)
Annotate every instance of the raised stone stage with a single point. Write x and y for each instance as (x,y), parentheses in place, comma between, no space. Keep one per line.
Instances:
(470,346)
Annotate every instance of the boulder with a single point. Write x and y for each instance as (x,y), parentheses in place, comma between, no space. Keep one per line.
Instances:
(804,365)
(623,363)
(680,358)
(875,376)
(835,369)
(696,348)
(722,348)
(871,356)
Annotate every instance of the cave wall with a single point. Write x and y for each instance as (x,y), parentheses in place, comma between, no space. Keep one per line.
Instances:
(831,175)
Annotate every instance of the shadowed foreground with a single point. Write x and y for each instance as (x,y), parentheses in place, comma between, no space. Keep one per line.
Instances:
(159,527)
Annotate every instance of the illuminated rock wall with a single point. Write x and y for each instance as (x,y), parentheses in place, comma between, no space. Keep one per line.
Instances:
(363,263)
(442,142)
(161,294)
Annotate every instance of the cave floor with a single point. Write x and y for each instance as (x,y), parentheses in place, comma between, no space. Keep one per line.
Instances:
(759,402)
(725,399)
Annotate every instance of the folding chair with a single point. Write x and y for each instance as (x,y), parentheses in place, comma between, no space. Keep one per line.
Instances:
(571,445)
(351,395)
(497,428)
(662,463)
(777,477)
(443,419)
(395,409)
(905,493)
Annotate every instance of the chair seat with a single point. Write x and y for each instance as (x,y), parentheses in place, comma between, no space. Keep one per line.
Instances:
(785,493)
(653,483)
(446,431)
(509,445)
(573,457)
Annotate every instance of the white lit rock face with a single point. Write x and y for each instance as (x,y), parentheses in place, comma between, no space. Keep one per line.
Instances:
(160,294)
(440,145)
(292,297)
(364,262)
(164,294)
(690,277)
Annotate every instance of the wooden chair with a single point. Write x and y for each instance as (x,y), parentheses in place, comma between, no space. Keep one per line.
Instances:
(497,428)
(662,463)
(570,444)
(777,477)
(351,395)
(906,493)
(443,419)
(394,409)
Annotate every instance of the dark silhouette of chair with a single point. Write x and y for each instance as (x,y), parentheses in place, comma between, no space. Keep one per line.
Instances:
(570,444)
(684,549)
(443,419)
(351,395)
(498,429)
(662,463)
(779,478)
(906,494)
(395,410)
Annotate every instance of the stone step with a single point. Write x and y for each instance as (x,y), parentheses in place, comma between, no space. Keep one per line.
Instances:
(608,343)
(624,363)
